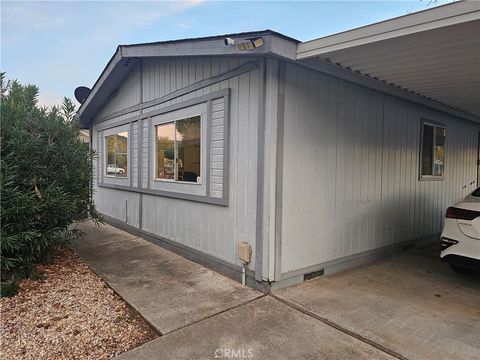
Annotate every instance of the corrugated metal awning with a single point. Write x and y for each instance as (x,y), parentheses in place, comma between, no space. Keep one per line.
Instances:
(434,53)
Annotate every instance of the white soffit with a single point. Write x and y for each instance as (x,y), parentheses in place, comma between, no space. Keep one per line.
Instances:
(434,53)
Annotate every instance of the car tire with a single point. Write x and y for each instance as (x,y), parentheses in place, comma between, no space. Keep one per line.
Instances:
(460,269)
(121,172)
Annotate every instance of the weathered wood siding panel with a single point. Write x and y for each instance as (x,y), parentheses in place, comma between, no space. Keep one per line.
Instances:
(351,170)
(213,229)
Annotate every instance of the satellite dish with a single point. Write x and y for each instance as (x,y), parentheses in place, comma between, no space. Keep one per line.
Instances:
(81,93)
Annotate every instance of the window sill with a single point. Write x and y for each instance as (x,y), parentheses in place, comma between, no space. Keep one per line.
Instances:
(170,194)
(431,178)
(176,182)
(117,177)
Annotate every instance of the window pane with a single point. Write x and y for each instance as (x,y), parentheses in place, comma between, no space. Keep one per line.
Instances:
(122,143)
(110,147)
(117,147)
(427,150)
(121,159)
(165,151)
(121,169)
(188,149)
(439,153)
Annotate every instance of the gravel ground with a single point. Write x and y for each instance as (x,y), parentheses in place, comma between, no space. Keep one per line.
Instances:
(71,314)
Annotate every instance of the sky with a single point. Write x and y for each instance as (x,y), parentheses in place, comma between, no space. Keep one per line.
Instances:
(59,45)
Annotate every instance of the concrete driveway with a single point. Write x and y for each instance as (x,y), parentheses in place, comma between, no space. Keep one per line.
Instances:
(410,303)
(407,306)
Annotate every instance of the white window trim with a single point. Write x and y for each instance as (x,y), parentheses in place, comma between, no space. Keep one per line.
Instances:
(435,125)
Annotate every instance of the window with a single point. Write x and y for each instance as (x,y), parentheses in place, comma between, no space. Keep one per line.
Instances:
(117,157)
(432,158)
(178,150)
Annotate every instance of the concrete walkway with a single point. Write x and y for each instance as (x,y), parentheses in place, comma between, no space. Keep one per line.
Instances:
(169,291)
(365,313)
(266,328)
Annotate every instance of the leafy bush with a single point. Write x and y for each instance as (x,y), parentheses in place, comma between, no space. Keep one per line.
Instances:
(44,180)
(9,288)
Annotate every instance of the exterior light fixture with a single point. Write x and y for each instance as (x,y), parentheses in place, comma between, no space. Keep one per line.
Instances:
(250,44)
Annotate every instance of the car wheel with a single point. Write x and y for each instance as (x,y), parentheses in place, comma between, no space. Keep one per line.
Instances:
(460,269)
(121,172)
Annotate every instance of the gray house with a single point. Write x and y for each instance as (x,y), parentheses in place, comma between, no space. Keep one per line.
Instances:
(318,155)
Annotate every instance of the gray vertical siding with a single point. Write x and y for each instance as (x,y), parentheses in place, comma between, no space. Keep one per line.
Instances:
(213,229)
(95,163)
(351,167)
(128,95)
(134,151)
(349,155)
(121,205)
(145,168)
(217,147)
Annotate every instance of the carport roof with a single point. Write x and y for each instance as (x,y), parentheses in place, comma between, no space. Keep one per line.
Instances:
(434,53)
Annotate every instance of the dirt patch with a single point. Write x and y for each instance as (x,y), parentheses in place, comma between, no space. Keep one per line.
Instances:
(71,313)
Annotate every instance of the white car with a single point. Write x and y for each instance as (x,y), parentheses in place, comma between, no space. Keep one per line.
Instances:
(112,169)
(460,239)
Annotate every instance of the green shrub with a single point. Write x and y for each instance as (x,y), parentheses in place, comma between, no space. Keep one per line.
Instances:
(9,288)
(44,180)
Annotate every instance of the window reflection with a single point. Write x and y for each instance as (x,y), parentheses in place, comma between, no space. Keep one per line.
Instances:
(178,152)
(165,151)
(117,157)
(433,151)
(188,149)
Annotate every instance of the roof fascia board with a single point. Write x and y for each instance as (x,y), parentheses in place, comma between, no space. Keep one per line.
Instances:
(430,19)
(103,76)
(273,44)
(362,80)
(194,48)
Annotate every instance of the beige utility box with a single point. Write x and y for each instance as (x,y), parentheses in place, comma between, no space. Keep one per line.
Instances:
(245,252)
